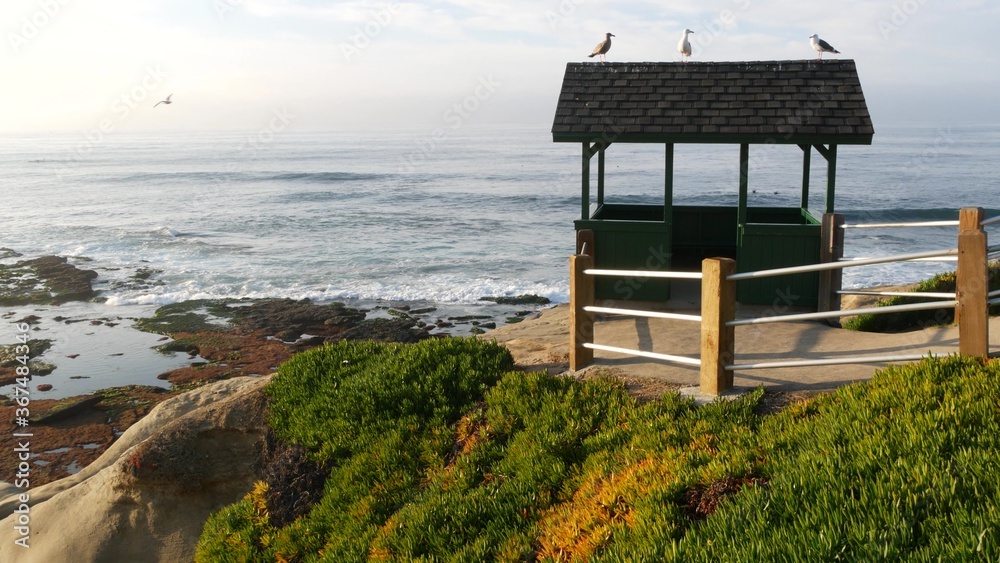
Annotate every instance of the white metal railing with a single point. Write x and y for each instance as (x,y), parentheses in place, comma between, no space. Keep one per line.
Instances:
(833,361)
(941,300)
(930,294)
(892,225)
(639,313)
(839,265)
(847,313)
(644,274)
(666,357)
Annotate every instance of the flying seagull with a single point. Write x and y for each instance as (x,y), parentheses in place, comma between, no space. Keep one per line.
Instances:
(602,47)
(821,46)
(167,101)
(685,46)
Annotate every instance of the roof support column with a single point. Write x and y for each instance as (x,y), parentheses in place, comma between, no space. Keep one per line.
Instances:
(585,195)
(741,212)
(600,175)
(806,164)
(830,154)
(668,183)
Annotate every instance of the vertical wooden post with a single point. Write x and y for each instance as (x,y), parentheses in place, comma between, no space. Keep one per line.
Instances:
(972,284)
(806,168)
(581,323)
(741,209)
(831,177)
(831,250)
(585,183)
(600,176)
(668,183)
(718,342)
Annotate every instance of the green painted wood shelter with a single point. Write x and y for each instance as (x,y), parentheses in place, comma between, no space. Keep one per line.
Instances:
(814,105)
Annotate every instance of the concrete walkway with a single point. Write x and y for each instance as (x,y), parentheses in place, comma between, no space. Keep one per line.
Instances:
(544,341)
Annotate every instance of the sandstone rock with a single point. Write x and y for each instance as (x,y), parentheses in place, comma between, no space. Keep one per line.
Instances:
(148,496)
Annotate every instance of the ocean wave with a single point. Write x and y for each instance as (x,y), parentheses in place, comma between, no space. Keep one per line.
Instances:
(240,176)
(443,289)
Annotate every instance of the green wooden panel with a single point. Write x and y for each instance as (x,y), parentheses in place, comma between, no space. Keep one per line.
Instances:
(631,245)
(767,246)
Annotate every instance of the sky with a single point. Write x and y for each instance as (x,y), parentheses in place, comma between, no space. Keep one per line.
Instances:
(93,66)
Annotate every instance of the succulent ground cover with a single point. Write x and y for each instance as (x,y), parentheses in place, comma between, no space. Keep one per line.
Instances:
(437,451)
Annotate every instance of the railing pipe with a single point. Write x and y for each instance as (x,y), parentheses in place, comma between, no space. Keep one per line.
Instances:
(891,225)
(644,274)
(656,356)
(834,361)
(848,313)
(899,293)
(989,221)
(938,259)
(847,264)
(649,314)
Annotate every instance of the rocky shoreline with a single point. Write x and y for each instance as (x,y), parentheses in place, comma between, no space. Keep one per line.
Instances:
(213,339)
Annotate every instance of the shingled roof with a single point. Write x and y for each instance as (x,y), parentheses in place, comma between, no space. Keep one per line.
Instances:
(714,102)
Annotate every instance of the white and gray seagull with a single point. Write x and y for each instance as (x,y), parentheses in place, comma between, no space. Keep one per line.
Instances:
(685,46)
(821,46)
(602,47)
(166,101)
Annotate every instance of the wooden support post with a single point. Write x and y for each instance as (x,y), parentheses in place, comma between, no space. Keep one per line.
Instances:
(581,323)
(600,176)
(718,342)
(831,177)
(831,250)
(741,208)
(806,168)
(585,183)
(972,284)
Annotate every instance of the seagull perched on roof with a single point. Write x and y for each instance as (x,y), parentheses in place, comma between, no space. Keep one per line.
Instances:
(602,47)
(821,46)
(685,46)
(166,101)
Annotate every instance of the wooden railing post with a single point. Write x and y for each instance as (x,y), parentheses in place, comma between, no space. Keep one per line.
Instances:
(972,284)
(581,323)
(718,342)
(831,250)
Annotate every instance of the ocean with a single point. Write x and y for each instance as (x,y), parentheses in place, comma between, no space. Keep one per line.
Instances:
(431,217)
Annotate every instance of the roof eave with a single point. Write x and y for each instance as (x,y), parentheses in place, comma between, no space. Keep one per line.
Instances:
(715,139)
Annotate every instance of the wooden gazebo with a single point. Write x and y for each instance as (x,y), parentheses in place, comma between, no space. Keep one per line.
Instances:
(816,105)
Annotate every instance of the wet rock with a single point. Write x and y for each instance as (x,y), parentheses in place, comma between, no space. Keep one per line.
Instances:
(527,299)
(382,330)
(64,409)
(44,387)
(9,253)
(45,280)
